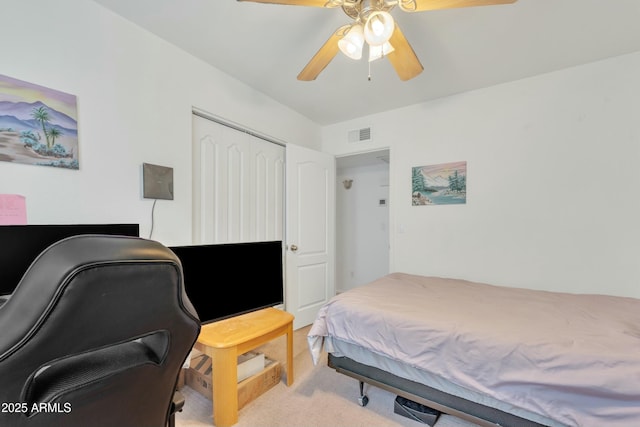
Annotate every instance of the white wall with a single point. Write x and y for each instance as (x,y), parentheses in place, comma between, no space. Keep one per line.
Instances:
(135,96)
(362,225)
(552,199)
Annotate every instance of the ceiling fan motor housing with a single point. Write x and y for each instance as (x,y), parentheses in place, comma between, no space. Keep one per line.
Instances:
(360,10)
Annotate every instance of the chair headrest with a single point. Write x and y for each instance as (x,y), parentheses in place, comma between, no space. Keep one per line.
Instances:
(57,265)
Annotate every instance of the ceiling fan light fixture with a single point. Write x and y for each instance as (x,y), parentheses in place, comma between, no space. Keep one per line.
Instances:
(377,52)
(378,28)
(351,44)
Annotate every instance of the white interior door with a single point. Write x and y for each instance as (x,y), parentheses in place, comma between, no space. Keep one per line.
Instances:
(310,224)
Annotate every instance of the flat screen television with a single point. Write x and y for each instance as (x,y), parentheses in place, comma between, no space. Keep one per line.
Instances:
(225,280)
(21,244)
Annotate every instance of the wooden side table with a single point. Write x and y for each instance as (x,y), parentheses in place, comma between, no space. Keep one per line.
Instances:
(226,339)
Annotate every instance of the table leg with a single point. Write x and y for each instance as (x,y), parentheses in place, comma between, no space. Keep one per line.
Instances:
(290,354)
(225,387)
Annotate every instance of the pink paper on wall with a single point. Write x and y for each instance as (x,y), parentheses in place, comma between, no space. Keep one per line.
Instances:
(13,209)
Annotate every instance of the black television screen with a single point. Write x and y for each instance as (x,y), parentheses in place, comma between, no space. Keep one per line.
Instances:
(225,280)
(21,244)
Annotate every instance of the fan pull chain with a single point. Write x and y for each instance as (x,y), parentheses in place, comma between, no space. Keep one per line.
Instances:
(369,78)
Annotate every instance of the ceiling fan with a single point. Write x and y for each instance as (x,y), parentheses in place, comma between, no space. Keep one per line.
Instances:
(372,23)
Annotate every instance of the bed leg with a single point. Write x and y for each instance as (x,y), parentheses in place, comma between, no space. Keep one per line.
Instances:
(363,399)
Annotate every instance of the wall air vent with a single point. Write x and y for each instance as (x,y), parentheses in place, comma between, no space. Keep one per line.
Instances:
(359,135)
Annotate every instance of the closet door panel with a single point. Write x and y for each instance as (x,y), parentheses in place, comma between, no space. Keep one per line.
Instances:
(268,191)
(206,192)
(238,182)
(237,189)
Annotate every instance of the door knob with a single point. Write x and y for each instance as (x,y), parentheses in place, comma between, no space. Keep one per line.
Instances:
(294,248)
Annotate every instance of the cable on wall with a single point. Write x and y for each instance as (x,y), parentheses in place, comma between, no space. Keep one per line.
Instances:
(153,208)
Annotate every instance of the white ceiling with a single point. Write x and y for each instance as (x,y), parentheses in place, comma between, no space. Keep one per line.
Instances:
(267,45)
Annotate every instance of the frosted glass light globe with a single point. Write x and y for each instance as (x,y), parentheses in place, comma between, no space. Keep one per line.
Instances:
(351,44)
(377,52)
(378,28)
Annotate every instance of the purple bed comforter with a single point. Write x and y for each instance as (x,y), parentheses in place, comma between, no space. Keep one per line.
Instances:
(573,358)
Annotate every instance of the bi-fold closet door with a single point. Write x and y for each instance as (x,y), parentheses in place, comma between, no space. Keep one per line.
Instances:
(238,185)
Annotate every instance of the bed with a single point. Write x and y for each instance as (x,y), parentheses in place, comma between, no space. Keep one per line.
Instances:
(489,354)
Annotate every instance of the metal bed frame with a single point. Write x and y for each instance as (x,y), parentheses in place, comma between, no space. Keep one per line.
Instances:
(470,411)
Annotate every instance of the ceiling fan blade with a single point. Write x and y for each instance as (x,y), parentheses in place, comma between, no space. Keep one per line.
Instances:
(313,3)
(403,58)
(422,5)
(322,58)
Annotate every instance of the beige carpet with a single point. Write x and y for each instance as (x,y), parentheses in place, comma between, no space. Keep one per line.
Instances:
(319,397)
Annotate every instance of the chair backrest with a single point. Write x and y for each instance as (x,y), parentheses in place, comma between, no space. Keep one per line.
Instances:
(95,334)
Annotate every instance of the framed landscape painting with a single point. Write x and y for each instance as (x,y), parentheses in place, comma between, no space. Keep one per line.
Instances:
(38,125)
(443,184)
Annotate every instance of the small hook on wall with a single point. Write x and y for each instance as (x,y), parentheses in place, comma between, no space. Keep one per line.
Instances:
(347,183)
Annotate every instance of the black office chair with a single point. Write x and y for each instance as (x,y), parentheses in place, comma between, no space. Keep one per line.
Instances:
(95,335)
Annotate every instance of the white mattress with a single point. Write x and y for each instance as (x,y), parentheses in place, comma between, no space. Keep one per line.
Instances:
(554,358)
